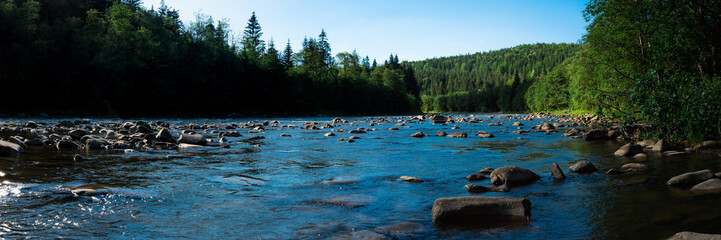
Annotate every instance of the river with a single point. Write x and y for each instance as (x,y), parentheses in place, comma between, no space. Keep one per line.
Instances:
(309,186)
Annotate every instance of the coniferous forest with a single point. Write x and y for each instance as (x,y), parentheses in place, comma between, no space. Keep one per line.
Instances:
(116,58)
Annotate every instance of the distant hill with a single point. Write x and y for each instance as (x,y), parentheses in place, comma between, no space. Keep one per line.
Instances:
(483,70)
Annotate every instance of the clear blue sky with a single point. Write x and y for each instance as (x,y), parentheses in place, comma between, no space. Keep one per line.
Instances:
(413,29)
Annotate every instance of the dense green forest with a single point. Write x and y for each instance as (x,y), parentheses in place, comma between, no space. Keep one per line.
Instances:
(654,62)
(116,58)
(489,81)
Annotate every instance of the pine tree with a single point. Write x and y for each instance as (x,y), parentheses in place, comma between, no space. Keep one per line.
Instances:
(324,48)
(253,46)
(287,58)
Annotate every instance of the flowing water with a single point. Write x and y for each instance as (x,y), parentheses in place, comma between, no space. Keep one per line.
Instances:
(309,186)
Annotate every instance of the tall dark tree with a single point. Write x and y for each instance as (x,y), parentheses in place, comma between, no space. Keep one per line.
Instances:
(253,46)
(324,47)
(287,58)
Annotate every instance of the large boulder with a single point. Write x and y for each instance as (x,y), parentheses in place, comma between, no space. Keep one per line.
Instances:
(457,135)
(690,178)
(513,176)
(709,186)
(480,209)
(556,172)
(694,236)
(594,135)
(629,150)
(8,149)
(195,139)
(583,167)
(164,135)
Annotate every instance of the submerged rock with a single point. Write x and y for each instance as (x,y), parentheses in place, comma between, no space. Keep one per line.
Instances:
(634,167)
(481,209)
(476,177)
(486,171)
(410,179)
(458,135)
(513,176)
(694,236)
(473,188)
(690,178)
(351,200)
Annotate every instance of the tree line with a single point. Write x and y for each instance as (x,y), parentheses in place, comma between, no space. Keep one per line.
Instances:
(486,81)
(117,58)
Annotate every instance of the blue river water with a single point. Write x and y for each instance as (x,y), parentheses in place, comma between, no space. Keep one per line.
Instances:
(309,186)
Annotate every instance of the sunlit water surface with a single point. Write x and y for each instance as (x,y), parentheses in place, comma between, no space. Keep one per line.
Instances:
(292,187)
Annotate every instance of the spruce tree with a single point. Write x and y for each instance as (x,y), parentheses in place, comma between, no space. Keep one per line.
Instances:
(287,58)
(253,46)
(324,48)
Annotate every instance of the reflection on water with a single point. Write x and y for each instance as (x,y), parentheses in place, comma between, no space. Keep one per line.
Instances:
(312,186)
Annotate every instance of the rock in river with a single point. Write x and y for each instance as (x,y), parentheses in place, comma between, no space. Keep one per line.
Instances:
(410,179)
(165,136)
(594,135)
(661,146)
(470,209)
(629,150)
(8,149)
(476,177)
(708,187)
(195,139)
(473,188)
(556,172)
(78,134)
(513,176)
(634,167)
(457,135)
(418,135)
(66,144)
(694,236)
(583,167)
(690,178)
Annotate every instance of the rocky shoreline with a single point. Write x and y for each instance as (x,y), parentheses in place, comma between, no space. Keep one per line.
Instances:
(17,137)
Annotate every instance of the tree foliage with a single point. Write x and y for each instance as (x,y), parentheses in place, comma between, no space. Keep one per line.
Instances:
(113,58)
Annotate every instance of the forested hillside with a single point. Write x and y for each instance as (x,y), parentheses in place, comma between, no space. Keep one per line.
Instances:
(656,62)
(116,58)
(488,81)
